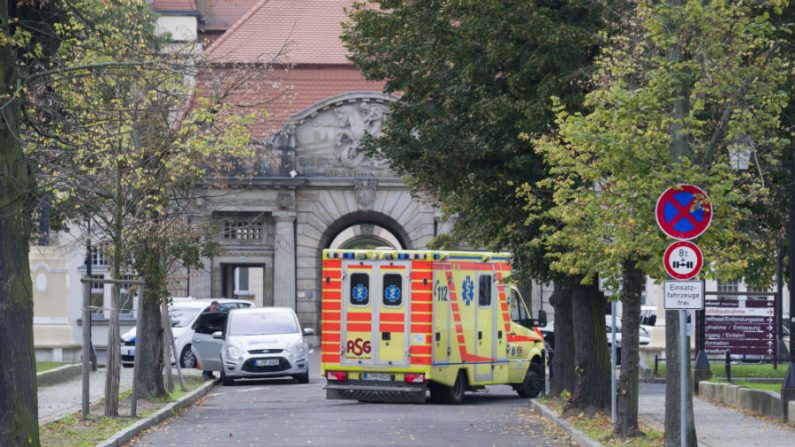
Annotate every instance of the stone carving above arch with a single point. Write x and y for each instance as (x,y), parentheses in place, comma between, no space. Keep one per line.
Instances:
(327,137)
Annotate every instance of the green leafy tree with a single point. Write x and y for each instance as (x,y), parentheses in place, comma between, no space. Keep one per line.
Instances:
(475,79)
(686,87)
(124,143)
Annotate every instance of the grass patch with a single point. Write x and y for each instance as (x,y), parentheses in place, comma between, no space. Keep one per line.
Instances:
(774,387)
(741,370)
(46,366)
(600,428)
(72,431)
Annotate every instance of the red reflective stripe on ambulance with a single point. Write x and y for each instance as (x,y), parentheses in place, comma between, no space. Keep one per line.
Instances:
(393,317)
(421,328)
(332,263)
(359,316)
(331,358)
(360,327)
(384,327)
(420,360)
(421,307)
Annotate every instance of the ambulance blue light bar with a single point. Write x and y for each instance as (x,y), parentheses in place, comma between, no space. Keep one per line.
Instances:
(348,255)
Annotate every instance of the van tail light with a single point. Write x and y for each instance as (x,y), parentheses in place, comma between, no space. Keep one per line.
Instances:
(337,375)
(414,378)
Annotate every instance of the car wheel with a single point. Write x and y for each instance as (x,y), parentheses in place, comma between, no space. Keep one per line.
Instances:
(452,395)
(532,384)
(187,359)
(226,380)
(303,378)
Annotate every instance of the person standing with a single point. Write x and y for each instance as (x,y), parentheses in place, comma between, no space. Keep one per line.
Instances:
(215,307)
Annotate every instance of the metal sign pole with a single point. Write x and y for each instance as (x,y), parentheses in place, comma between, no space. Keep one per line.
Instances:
(683,387)
(613,384)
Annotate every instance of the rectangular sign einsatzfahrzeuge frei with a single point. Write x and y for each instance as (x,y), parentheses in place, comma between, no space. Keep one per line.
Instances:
(683,295)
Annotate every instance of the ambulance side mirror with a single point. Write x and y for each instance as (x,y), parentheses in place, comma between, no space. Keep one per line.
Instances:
(542,318)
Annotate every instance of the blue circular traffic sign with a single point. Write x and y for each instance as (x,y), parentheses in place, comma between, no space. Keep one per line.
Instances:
(683,212)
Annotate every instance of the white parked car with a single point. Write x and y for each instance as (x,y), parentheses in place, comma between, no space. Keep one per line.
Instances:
(252,343)
(183,313)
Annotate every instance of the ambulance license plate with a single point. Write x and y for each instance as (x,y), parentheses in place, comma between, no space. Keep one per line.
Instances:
(266,362)
(378,376)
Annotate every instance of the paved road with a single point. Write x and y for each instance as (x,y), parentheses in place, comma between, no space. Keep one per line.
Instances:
(716,425)
(283,413)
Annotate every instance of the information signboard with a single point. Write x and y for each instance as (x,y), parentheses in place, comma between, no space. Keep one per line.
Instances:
(683,295)
(741,325)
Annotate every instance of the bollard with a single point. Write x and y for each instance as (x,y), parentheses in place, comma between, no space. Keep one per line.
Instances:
(728,366)
(656,364)
(544,372)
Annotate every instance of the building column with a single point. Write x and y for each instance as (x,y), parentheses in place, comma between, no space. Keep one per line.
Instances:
(284,261)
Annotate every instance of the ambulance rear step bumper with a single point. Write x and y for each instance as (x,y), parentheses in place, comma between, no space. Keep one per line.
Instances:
(379,392)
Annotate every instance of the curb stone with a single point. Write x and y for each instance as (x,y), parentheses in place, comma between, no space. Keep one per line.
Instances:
(58,375)
(125,435)
(581,438)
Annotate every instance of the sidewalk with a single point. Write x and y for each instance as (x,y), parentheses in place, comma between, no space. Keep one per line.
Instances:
(716,426)
(57,401)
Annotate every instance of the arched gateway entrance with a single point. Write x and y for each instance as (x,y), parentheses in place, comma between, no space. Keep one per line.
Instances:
(323,192)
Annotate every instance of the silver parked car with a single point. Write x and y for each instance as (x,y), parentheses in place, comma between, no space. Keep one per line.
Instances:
(252,343)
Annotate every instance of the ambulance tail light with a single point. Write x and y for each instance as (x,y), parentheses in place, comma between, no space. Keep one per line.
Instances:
(414,378)
(337,375)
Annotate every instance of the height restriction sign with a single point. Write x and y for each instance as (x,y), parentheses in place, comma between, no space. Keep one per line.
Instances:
(683,212)
(683,260)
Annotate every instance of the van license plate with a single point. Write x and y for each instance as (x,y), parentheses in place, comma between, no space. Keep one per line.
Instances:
(266,362)
(378,376)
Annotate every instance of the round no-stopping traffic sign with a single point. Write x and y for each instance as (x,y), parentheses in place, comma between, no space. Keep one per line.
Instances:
(683,260)
(683,212)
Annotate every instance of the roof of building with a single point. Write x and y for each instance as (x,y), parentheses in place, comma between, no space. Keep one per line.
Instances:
(304,31)
(177,6)
(220,15)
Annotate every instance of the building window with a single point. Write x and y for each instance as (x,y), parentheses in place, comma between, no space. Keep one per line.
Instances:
(241,281)
(751,296)
(241,230)
(127,298)
(98,256)
(728,286)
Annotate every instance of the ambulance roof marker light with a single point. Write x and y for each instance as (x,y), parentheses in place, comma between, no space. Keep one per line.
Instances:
(362,256)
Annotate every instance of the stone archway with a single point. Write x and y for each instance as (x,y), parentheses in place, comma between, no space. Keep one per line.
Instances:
(363,217)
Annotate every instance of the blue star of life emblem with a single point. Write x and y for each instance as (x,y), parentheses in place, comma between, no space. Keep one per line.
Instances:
(359,293)
(392,294)
(468,290)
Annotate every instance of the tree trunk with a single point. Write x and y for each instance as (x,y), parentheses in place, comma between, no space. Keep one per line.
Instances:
(19,421)
(149,344)
(672,400)
(562,378)
(627,404)
(591,356)
(113,374)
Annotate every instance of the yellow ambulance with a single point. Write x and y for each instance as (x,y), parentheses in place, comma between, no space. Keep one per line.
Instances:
(397,323)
